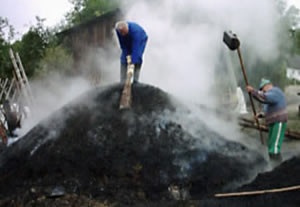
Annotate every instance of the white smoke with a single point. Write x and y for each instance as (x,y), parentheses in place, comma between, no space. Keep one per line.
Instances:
(50,94)
(183,55)
(185,40)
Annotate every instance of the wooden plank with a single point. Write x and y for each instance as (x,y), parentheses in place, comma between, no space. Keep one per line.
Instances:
(259,192)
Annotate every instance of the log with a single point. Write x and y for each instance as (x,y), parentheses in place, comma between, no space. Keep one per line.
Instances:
(259,192)
(251,124)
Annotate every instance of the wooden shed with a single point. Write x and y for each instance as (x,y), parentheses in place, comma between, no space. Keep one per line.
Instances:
(95,33)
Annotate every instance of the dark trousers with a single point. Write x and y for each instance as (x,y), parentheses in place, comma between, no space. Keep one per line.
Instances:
(136,75)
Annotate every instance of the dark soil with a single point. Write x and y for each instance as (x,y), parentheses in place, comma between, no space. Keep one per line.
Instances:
(89,153)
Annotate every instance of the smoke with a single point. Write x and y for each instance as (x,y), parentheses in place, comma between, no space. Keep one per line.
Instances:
(185,54)
(101,65)
(185,40)
(50,94)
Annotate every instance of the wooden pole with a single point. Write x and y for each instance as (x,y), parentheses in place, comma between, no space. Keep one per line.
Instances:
(250,95)
(259,192)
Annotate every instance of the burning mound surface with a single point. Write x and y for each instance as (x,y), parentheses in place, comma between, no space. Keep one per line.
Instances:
(91,148)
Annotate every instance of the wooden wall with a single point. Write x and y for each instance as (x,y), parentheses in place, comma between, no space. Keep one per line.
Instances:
(95,33)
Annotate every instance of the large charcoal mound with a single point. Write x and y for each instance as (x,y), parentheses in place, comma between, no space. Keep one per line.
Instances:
(91,147)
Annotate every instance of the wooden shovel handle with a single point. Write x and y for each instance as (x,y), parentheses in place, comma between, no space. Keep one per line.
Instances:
(250,95)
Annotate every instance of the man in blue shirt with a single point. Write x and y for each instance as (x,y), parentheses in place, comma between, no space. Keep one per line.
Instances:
(133,39)
(275,114)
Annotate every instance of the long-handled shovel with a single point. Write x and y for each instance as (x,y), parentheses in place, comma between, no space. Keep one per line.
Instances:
(125,101)
(233,43)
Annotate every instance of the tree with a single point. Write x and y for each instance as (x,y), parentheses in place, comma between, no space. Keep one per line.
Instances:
(56,59)
(6,35)
(32,46)
(85,10)
(275,70)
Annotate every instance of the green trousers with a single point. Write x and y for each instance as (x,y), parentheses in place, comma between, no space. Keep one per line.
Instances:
(276,135)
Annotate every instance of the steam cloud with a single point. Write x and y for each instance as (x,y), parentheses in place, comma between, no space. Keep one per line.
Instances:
(185,40)
(50,94)
(184,51)
(182,56)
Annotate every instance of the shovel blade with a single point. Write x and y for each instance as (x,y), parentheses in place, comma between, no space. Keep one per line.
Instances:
(125,100)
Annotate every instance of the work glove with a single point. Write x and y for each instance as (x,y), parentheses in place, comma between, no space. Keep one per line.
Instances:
(128,57)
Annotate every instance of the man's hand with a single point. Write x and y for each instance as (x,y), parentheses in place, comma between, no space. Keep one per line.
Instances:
(249,88)
(259,115)
(128,58)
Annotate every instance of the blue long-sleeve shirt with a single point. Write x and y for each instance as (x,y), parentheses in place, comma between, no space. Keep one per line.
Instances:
(133,43)
(274,104)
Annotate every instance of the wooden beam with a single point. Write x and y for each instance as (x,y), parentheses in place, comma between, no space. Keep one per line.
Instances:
(259,192)
(251,124)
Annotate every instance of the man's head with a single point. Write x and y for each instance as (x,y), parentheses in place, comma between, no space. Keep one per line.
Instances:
(265,85)
(122,27)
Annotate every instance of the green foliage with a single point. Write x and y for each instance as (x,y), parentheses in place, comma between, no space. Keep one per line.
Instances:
(7,31)
(32,47)
(85,10)
(6,65)
(288,22)
(274,71)
(293,82)
(38,50)
(6,34)
(56,59)
(296,41)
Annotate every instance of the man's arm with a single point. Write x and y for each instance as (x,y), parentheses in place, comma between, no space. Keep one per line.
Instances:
(138,46)
(123,47)
(258,95)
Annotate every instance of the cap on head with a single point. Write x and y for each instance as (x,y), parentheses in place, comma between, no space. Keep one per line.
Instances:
(264,82)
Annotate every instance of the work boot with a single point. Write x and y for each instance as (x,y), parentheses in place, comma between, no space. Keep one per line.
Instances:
(275,159)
